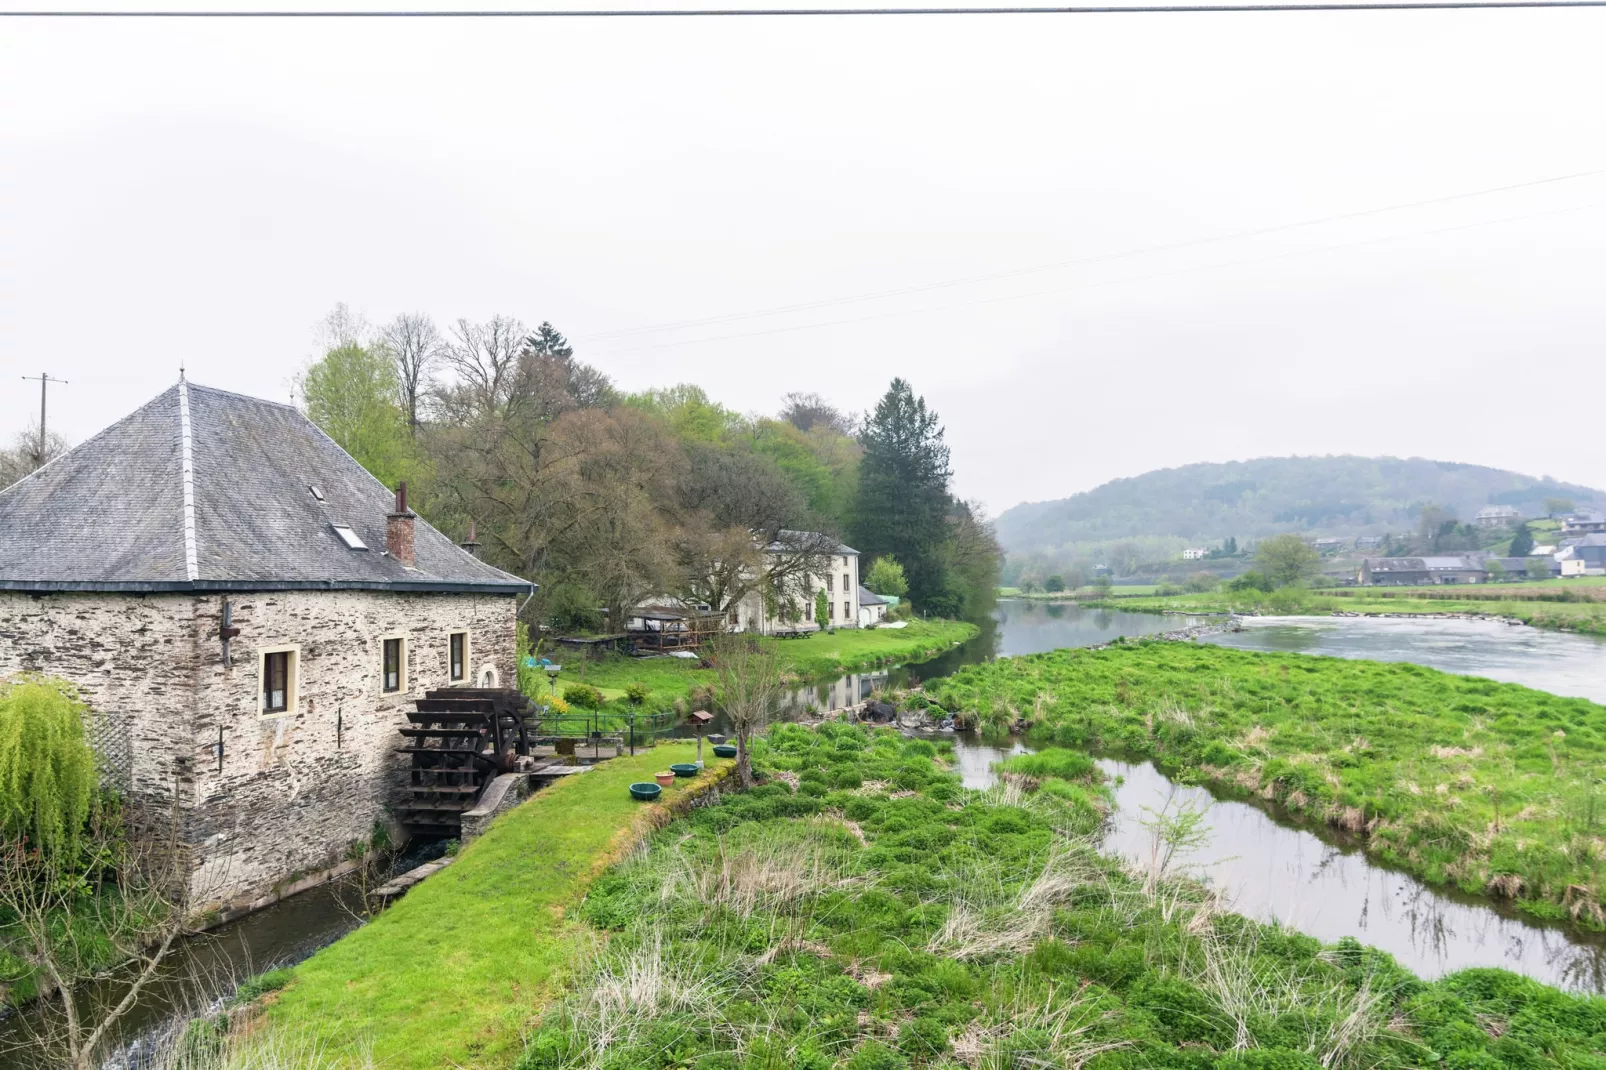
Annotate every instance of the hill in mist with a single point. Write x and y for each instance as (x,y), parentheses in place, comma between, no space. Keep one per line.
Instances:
(1252,499)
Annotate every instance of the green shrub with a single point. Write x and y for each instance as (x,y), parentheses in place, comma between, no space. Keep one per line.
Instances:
(635,693)
(584,695)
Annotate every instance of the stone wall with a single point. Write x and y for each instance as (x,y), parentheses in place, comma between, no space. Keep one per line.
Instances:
(298,790)
(293,792)
(133,657)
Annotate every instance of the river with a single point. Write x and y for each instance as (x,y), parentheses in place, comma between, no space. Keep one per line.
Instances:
(1269,869)
(1563,664)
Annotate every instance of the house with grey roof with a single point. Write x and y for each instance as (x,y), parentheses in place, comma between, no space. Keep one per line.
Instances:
(800,565)
(248,614)
(1414,571)
(872,608)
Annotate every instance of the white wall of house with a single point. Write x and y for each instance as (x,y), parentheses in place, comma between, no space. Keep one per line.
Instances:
(839,581)
(872,614)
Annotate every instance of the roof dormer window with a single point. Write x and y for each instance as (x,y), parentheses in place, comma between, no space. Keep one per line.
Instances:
(317,492)
(349,537)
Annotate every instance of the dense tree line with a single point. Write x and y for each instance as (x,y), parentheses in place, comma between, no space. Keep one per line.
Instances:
(606,498)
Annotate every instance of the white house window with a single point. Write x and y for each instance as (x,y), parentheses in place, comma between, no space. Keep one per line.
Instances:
(457,657)
(845,585)
(847,613)
(279,671)
(830,583)
(394,669)
(830,610)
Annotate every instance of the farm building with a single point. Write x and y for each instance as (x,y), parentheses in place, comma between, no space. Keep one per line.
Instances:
(251,617)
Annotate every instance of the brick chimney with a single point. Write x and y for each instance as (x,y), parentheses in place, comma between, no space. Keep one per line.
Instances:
(399,529)
(472,544)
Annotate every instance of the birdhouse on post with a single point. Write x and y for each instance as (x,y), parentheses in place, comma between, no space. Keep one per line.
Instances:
(700,720)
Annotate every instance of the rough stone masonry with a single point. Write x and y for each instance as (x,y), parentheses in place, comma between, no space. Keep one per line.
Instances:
(221,582)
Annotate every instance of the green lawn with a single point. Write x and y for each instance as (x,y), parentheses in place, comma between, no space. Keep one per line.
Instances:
(450,974)
(821,655)
(1460,780)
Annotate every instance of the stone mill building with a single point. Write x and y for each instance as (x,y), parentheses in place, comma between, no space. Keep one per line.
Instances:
(248,614)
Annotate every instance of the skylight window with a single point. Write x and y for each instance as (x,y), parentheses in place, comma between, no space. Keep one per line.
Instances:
(316,491)
(349,537)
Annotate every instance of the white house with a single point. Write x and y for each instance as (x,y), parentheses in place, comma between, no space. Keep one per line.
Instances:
(1496,516)
(1194,553)
(872,608)
(793,609)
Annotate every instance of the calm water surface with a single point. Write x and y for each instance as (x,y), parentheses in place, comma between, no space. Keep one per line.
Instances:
(1275,872)
(1557,662)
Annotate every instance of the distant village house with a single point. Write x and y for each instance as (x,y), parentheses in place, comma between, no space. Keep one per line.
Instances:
(1497,516)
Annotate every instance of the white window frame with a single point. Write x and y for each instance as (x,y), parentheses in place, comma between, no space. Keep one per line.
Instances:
(467,648)
(292,683)
(402,674)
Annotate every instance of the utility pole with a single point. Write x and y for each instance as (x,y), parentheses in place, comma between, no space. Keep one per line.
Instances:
(44,380)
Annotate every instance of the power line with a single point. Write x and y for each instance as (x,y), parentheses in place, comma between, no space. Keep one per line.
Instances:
(1106,282)
(733,317)
(796,12)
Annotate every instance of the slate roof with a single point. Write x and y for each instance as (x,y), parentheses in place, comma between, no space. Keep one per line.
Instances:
(868,597)
(810,540)
(1420,564)
(204,490)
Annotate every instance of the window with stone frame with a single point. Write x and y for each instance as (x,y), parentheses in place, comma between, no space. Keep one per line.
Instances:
(276,681)
(457,657)
(847,611)
(394,669)
(830,583)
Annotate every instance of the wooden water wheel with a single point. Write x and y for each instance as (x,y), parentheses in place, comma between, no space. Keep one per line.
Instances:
(459,739)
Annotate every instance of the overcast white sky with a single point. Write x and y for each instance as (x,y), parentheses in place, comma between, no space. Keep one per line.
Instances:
(206,192)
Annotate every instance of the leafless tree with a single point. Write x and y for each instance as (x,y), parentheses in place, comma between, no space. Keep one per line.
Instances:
(343,327)
(749,690)
(416,347)
(806,411)
(724,565)
(485,357)
(27,455)
(97,925)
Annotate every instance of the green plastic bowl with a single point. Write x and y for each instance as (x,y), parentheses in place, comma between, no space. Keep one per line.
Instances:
(724,750)
(645,792)
(683,769)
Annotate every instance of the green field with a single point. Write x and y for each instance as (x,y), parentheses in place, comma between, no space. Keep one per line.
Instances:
(861,911)
(1493,788)
(450,974)
(822,655)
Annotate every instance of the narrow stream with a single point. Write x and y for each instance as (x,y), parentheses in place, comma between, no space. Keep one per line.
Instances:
(1324,886)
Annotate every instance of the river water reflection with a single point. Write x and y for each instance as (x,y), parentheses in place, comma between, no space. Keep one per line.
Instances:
(1277,873)
(1563,664)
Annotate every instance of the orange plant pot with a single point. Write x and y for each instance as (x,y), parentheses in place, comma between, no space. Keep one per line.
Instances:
(664,779)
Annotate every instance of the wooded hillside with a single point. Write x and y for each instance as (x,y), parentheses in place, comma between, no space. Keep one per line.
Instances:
(1252,499)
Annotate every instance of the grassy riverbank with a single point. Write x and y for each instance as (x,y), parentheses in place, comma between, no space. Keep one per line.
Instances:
(1491,787)
(822,655)
(861,911)
(449,975)
(1587,615)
